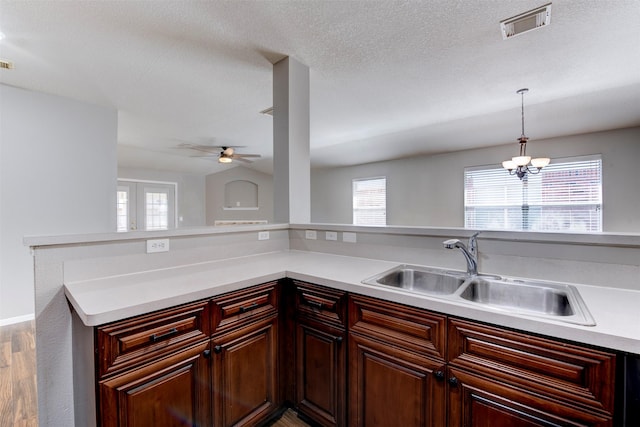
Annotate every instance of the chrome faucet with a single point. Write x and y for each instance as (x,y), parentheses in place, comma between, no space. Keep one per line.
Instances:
(470,252)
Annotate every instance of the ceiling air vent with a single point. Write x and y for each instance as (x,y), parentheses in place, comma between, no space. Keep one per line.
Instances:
(526,21)
(6,64)
(267,112)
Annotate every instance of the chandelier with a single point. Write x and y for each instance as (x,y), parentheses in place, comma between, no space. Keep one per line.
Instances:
(519,165)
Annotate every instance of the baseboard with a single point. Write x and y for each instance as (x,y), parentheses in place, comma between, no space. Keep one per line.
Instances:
(17,319)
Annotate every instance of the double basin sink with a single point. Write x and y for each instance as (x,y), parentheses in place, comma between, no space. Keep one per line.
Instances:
(549,300)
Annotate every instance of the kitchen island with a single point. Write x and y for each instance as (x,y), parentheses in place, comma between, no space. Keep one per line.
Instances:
(107,278)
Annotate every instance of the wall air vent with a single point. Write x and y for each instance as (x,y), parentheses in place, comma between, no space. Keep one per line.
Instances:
(527,21)
(7,65)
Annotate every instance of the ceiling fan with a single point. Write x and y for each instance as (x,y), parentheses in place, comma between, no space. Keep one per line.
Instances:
(225,154)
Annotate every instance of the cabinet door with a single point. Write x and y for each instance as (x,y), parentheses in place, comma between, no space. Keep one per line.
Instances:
(170,392)
(391,386)
(476,401)
(245,374)
(320,373)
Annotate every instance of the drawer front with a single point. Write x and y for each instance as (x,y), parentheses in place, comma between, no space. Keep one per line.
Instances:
(322,304)
(245,306)
(132,342)
(566,372)
(410,328)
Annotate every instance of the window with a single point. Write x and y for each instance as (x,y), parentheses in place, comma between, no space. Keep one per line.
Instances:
(122,200)
(146,205)
(370,201)
(564,196)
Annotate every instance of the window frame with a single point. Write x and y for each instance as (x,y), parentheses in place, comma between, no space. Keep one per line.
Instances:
(525,206)
(355,209)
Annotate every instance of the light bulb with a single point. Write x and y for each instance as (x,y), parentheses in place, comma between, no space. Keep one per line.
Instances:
(540,162)
(509,164)
(521,160)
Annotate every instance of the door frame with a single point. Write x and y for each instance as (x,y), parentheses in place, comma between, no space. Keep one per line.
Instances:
(175,192)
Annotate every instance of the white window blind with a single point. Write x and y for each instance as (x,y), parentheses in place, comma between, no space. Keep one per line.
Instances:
(370,201)
(565,196)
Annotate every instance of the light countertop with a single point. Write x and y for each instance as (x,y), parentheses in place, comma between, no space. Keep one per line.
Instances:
(100,301)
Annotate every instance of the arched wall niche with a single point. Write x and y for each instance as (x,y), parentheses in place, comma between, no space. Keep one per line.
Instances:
(241,194)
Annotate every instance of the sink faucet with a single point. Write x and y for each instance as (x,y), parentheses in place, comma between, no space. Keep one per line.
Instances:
(470,252)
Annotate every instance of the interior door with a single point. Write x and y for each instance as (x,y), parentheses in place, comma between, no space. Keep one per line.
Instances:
(145,205)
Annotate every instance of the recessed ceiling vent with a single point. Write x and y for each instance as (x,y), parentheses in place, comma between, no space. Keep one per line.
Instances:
(7,65)
(526,21)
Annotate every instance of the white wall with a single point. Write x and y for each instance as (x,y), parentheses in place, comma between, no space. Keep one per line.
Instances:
(45,189)
(429,190)
(215,195)
(191,192)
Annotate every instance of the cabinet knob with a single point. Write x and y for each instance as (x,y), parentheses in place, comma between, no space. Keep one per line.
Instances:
(339,340)
(439,375)
(206,354)
(217,349)
(453,381)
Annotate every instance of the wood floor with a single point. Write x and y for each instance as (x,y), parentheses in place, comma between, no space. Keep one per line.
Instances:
(18,397)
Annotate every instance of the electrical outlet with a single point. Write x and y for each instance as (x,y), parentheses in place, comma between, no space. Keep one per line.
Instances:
(331,235)
(263,235)
(310,234)
(157,245)
(349,237)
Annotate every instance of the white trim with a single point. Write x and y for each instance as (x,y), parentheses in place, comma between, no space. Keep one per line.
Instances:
(17,319)
(240,209)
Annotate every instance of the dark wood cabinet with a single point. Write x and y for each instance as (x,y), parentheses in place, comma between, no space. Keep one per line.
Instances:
(342,360)
(245,374)
(514,377)
(396,365)
(391,386)
(170,392)
(320,354)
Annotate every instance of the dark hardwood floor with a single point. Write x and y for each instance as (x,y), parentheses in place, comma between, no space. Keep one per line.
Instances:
(18,397)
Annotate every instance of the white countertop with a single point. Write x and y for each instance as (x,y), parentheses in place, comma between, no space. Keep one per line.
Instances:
(99,301)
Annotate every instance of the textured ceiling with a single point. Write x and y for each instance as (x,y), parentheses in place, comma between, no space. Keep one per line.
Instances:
(388,79)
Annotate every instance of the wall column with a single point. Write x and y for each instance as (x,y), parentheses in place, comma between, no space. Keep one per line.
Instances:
(291,164)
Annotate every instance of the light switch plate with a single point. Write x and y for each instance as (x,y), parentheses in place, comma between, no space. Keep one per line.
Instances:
(157,245)
(263,235)
(349,237)
(331,235)
(311,234)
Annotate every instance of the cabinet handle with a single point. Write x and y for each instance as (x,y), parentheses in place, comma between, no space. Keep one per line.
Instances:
(453,381)
(206,354)
(250,307)
(439,375)
(217,349)
(315,304)
(156,338)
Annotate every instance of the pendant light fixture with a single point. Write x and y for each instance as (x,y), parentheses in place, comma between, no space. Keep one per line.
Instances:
(519,165)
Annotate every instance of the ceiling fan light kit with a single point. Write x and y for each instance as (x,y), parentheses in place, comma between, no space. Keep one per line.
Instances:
(519,165)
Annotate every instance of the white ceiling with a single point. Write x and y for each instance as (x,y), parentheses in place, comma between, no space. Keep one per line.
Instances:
(389,79)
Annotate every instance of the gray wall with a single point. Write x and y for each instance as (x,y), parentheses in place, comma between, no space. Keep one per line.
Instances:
(215,195)
(44,189)
(191,192)
(429,190)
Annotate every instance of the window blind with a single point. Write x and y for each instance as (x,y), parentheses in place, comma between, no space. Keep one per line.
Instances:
(565,196)
(370,201)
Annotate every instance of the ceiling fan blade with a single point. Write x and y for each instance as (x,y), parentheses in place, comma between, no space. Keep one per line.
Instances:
(240,159)
(247,155)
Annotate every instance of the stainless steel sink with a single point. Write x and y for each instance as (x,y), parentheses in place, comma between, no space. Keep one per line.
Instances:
(557,301)
(430,281)
(551,300)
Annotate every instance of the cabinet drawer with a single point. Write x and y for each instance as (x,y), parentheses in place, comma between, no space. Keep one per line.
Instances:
(320,303)
(131,342)
(238,308)
(565,372)
(411,328)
